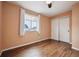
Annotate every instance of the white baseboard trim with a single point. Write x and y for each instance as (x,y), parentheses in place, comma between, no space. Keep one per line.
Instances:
(70,43)
(24,45)
(62,41)
(75,48)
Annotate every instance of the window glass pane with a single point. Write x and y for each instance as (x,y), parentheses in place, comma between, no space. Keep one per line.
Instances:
(34,25)
(27,25)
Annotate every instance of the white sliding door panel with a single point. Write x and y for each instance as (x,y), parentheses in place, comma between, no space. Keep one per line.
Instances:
(64,29)
(54,29)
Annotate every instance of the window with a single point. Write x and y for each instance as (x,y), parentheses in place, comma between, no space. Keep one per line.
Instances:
(28,23)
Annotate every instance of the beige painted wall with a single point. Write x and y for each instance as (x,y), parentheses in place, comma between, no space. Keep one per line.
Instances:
(75,26)
(0,24)
(11,37)
(68,13)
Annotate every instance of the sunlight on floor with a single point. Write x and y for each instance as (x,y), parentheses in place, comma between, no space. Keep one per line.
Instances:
(33,52)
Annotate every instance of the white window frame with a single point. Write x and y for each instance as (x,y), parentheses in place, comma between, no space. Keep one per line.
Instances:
(22,20)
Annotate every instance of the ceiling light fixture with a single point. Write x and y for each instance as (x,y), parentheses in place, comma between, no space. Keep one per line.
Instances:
(49,3)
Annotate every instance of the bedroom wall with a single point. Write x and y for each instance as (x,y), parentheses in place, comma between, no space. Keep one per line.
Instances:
(0,26)
(68,13)
(75,26)
(11,22)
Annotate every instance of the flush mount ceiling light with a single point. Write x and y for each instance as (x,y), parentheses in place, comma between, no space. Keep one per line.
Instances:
(49,3)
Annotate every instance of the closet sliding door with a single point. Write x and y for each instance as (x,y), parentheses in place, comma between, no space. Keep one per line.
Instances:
(60,29)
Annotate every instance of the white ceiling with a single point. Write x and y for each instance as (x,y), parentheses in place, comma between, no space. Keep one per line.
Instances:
(41,6)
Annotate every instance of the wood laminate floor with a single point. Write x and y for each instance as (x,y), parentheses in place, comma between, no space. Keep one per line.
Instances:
(48,48)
